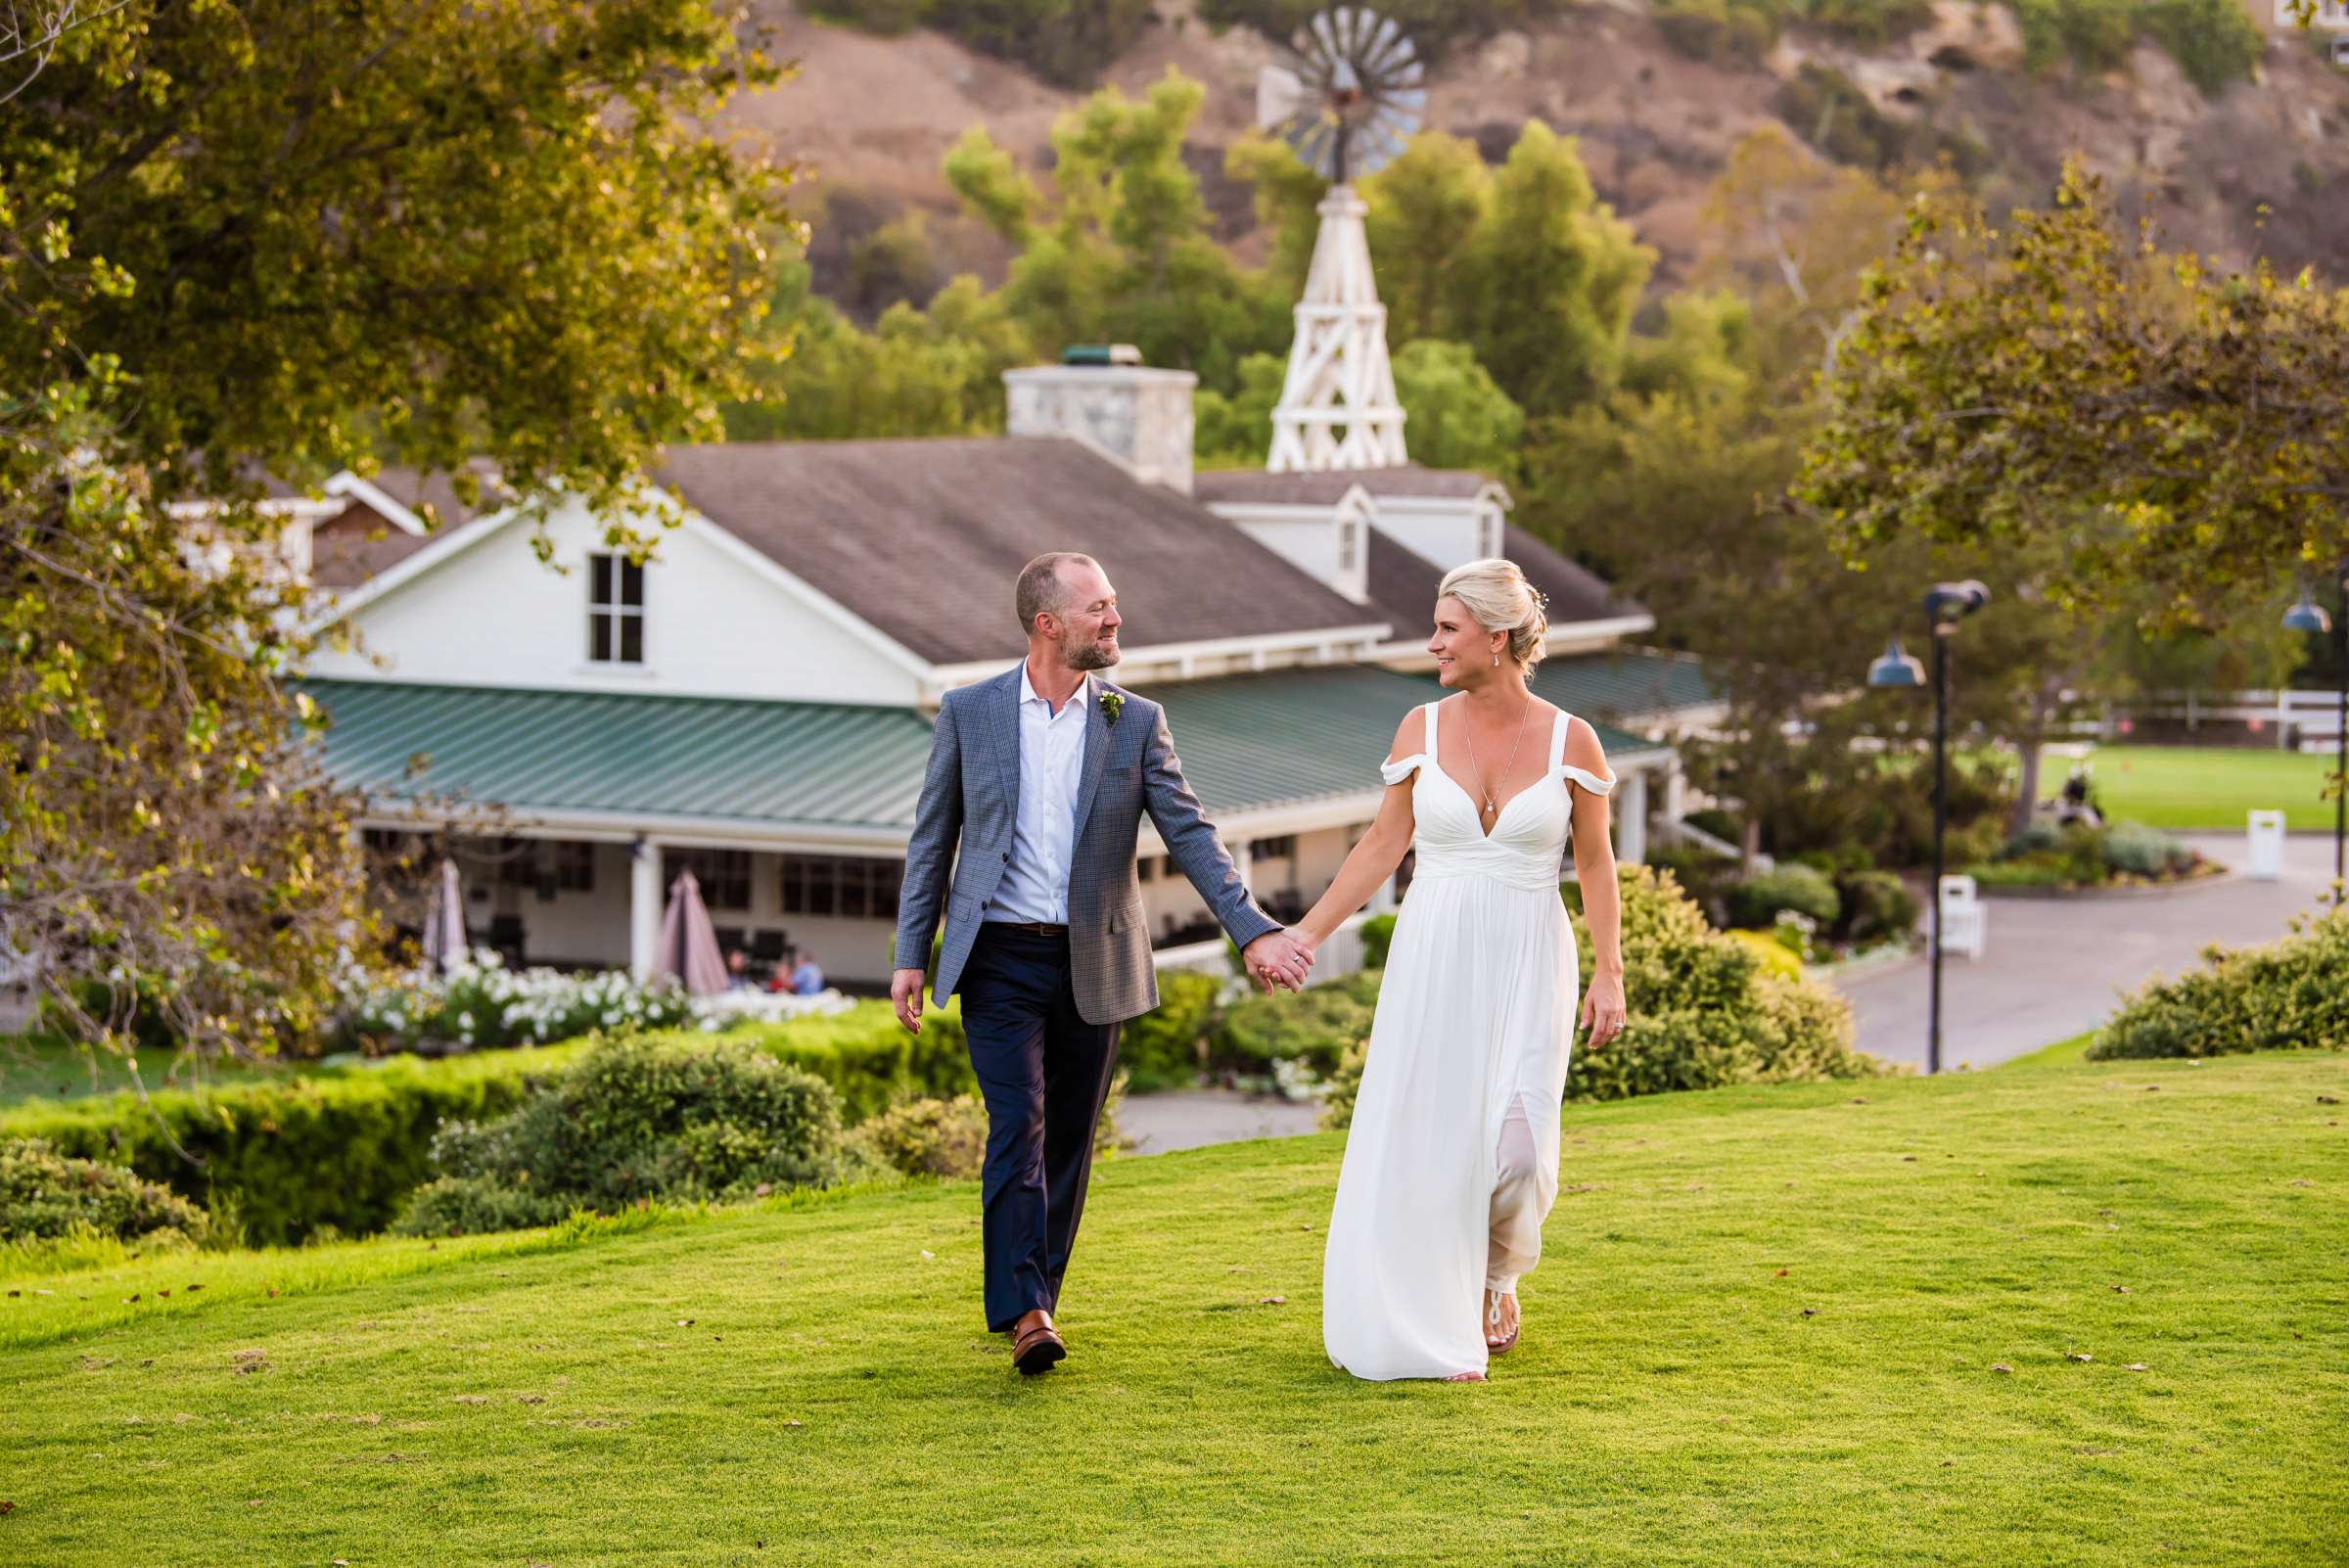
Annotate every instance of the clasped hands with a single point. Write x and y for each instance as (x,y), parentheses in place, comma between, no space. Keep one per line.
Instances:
(1279,959)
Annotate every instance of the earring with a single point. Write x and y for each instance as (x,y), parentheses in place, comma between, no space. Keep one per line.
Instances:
(1497,660)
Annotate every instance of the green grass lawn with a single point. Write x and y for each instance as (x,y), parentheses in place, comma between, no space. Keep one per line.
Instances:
(1765,1334)
(2201,787)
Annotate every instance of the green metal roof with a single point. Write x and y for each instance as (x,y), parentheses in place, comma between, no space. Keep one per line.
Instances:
(1247,743)
(1628,680)
(820,764)
(1289,736)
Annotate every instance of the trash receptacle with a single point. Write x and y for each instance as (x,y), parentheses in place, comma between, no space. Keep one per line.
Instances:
(2267,845)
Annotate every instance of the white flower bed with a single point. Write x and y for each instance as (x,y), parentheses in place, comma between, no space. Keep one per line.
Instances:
(481,1004)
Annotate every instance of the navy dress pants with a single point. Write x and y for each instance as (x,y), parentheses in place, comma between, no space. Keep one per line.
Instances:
(1043,1073)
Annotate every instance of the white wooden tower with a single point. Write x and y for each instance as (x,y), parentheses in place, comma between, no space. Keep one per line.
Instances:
(1338,407)
(1347,100)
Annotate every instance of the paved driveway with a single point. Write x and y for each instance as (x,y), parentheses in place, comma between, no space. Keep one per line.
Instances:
(2054,969)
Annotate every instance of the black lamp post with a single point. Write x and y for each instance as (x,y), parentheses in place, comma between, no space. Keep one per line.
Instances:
(1946,604)
(2306,616)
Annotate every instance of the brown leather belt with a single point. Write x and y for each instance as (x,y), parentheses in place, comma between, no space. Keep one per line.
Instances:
(1035,928)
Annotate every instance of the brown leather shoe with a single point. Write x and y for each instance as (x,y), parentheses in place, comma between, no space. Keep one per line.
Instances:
(1035,1345)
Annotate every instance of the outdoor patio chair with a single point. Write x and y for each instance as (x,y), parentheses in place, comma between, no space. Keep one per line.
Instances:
(1964,921)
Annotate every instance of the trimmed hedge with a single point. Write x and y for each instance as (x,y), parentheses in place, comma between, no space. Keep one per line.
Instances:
(2291,994)
(640,1119)
(338,1151)
(45,1196)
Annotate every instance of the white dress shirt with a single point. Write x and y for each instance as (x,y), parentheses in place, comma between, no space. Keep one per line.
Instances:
(1043,835)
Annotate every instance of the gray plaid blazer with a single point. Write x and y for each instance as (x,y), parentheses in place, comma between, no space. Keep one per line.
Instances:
(970,796)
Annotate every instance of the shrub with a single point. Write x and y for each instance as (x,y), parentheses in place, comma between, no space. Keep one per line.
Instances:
(2144,851)
(1876,905)
(1377,936)
(290,1158)
(1706,1011)
(2290,993)
(1167,1044)
(1755,902)
(1066,42)
(47,1195)
(927,1137)
(1314,1026)
(637,1118)
(1770,952)
(2040,838)
(344,1147)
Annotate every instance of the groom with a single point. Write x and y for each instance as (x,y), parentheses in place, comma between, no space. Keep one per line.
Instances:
(1042,775)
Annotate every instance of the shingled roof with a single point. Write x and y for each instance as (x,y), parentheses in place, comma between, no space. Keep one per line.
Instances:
(924,539)
(357,542)
(1328,487)
(1402,583)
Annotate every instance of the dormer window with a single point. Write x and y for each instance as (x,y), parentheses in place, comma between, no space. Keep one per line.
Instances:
(1347,543)
(615,610)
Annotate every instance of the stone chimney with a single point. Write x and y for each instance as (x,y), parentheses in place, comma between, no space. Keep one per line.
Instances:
(1109,399)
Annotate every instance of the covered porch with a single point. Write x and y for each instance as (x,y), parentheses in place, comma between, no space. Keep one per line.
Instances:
(570,813)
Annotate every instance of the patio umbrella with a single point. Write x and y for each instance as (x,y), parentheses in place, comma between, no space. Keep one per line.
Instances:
(688,944)
(444,921)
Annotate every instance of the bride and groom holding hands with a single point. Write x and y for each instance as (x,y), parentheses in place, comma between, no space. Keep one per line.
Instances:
(1024,842)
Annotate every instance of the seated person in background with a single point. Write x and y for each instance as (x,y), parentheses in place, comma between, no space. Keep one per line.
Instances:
(807,980)
(738,970)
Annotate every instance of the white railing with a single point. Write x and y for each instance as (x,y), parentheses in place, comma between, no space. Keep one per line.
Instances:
(1341,955)
(1711,843)
(2310,716)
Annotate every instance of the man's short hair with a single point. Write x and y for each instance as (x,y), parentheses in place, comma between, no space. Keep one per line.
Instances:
(1041,591)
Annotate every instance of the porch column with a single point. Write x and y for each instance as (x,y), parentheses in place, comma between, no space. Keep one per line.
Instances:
(1676,793)
(1630,818)
(644,909)
(1243,862)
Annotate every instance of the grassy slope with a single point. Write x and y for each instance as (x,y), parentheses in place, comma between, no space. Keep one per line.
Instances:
(2203,787)
(810,1384)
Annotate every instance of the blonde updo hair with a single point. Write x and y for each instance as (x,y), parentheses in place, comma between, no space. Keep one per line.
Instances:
(1494,591)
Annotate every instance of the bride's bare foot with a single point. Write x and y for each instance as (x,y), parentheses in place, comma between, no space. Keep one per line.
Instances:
(1465,1377)
(1502,1322)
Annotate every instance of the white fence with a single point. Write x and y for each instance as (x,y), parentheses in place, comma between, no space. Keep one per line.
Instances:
(2309,719)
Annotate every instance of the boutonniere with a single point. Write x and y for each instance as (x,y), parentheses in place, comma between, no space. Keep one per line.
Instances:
(1112,703)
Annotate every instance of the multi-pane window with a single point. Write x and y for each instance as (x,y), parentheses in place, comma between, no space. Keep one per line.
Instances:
(724,874)
(615,610)
(574,866)
(1348,541)
(1275,849)
(858,888)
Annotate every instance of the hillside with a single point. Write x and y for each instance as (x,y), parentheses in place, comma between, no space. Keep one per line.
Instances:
(2075,1314)
(873,115)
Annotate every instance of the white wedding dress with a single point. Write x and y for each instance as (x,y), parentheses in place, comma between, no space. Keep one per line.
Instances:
(1452,1161)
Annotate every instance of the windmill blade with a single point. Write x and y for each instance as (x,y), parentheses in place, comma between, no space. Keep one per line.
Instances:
(1280,95)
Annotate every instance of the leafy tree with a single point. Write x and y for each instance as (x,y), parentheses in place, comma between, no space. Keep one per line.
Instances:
(1119,249)
(1551,278)
(1457,417)
(1236,432)
(2175,429)
(1422,205)
(260,236)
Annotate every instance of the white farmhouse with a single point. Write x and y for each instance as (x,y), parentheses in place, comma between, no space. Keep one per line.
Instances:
(755,701)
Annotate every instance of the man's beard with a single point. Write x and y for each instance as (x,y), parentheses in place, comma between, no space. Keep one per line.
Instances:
(1090,656)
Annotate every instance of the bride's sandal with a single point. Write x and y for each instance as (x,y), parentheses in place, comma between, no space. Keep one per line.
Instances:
(1497,1343)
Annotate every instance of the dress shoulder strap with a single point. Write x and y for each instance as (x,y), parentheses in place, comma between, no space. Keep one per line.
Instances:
(1558,727)
(1581,775)
(1430,711)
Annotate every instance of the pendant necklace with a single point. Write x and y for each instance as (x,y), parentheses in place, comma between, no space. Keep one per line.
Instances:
(1469,735)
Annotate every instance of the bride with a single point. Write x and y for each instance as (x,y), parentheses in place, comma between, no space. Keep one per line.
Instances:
(1452,1161)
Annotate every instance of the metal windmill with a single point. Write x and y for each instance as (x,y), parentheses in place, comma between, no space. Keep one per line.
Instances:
(1347,100)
